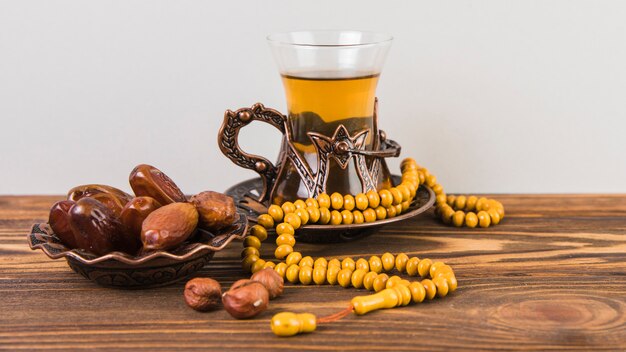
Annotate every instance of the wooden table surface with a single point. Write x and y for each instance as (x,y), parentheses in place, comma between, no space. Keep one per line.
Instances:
(552,276)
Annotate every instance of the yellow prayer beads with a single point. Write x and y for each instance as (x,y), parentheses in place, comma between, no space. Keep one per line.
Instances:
(323,200)
(288,207)
(276,212)
(348,202)
(469,211)
(369,273)
(336,200)
(361,201)
(312,202)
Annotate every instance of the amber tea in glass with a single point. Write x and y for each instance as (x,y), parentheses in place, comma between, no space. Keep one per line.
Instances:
(320,104)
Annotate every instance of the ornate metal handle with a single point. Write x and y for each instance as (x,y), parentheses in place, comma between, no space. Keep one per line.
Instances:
(229,145)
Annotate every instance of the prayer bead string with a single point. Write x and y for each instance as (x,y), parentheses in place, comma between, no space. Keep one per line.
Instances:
(371,273)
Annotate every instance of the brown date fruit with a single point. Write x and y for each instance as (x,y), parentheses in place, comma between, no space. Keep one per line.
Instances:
(146,180)
(110,201)
(136,211)
(245,299)
(203,294)
(83,191)
(168,226)
(59,221)
(113,198)
(216,210)
(273,282)
(97,230)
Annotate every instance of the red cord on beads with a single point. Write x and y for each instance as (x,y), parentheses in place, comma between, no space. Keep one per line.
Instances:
(334,317)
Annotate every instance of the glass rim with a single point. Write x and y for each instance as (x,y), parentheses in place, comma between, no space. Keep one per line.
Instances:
(280,38)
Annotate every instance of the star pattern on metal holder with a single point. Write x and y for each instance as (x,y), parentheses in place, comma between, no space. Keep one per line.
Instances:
(341,145)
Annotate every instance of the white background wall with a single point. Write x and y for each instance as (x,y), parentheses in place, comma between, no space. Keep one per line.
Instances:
(492,96)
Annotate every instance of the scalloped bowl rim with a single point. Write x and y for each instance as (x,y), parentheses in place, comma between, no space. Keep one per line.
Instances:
(237,231)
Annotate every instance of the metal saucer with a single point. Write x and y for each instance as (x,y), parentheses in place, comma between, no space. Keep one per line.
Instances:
(247,192)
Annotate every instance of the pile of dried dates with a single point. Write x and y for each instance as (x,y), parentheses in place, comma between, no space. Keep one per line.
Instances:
(101,219)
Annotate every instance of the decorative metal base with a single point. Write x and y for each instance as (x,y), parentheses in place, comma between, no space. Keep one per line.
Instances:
(344,146)
(247,192)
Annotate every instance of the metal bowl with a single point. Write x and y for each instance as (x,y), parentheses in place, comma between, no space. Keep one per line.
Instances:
(246,193)
(153,269)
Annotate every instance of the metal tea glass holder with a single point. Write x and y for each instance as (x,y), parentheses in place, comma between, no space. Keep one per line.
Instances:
(331,141)
(254,195)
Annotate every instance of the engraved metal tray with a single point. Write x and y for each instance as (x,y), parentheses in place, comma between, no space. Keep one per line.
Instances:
(247,192)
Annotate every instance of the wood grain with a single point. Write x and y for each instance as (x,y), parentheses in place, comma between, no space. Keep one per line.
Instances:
(552,276)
